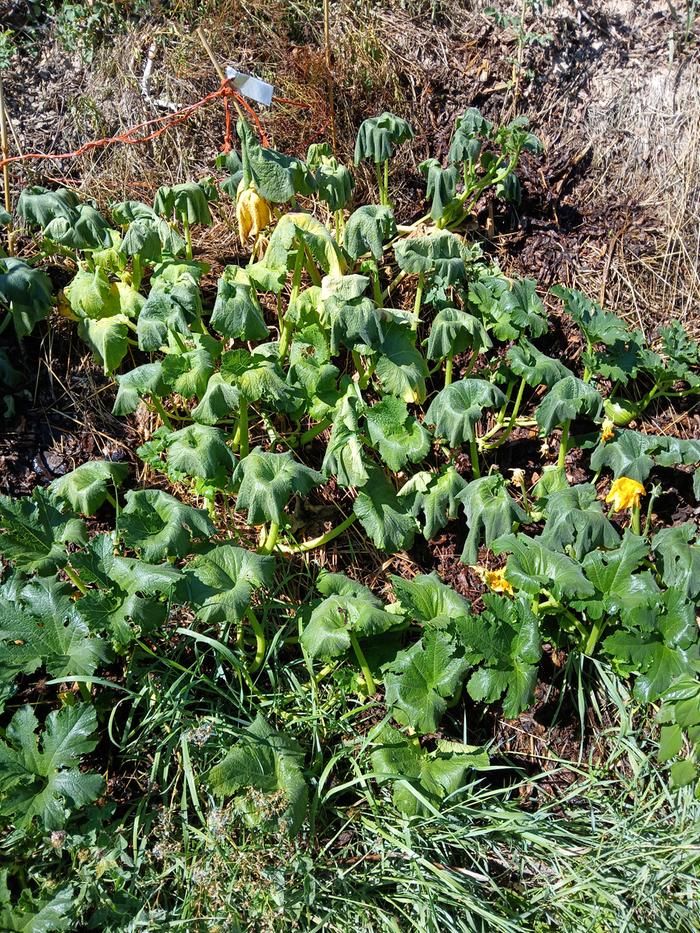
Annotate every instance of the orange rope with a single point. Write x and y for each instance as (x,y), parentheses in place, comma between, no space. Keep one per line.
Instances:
(167,121)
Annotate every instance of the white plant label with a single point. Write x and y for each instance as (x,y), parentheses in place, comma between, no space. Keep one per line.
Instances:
(251,87)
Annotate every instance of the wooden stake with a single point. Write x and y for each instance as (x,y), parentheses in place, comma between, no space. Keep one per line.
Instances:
(327,43)
(215,63)
(5,149)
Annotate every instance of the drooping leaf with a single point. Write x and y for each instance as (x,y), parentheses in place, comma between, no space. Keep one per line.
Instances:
(37,206)
(187,201)
(354,323)
(396,435)
(378,137)
(421,680)
(367,230)
(38,779)
(136,384)
(534,366)
(220,400)
(490,511)
(107,338)
(34,534)
(400,367)
(87,487)
(567,399)
(237,312)
(268,763)
(575,520)
(633,454)
(441,253)
(441,186)
(435,497)
(25,293)
(456,410)
(158,525)
(344,457)
(220,583)
(385,518)
(617,584)
(597,325)
(267,481)
(188,373)
(85,229)
(454,331)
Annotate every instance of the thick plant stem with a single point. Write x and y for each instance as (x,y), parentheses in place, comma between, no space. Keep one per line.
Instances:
(161,412)
(270,539)
(286,334)
(136,272)
(380,182)
(313,543)
(364,667)
(563,444)
(319,428)
(188,237)
(514,414)
(474,454)
(594,637)
(636,519)
(364,374)
(448,371)
(260,643)
(418,301)
(386,181)
(75,580)
(242,429)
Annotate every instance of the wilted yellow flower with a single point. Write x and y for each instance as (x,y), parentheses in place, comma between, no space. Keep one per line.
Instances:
(518,476)
(496,580)
(608,431)
(625,493)
(253,212)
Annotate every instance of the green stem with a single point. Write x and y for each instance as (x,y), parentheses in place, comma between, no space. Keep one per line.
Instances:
(364,667)
(380,186)
(472,364)
(321,540)
(309,435)
(377,288)
(75,580)
(386,181)
(418,301)
(260,643)
(563,444)
(286,334)
(448,370)
(188,237)
(242,428)
(514,415)
(636,519)
(136,272)
(474,453)
(363,373)
(161,412)
(271,539)
(339,225)
(594,637)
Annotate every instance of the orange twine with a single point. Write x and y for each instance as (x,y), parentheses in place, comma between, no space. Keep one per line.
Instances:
(167,121)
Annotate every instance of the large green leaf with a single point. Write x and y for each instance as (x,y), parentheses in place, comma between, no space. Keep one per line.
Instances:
(422,779)
(341,617)
(188,373)
(187,201)
(220,584)
(490,511)
(612,574)
(426,599)
(378,137)
(385,518)
(267,481)
(678,555)
(87,487)
(107,338)
(567,399)
(25,293)
(84,229)
(170,307)
(92,294)
(533,567)
(456,410)
(344,456)
(220,400)
(454,331)
(435,497)
(504,641)
(276,176)
(37,781)
(34,915)
(136,384)
(201,451)
(237,312)
(37,206)
(43,628)
(534,366)
(34,534)
(354,324)
(261,768)
(400,367)
(576,522)
(421,680)
(367,230)
(597,325)
(634,454)
(442,253)
(658,643)
(158,525)
(396,435)
(441,186)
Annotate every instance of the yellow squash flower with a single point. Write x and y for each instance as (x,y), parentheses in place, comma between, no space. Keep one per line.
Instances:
(253,212)
(625,493)
(608,431)
(496,581)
